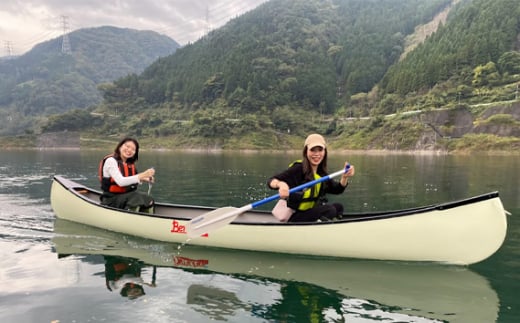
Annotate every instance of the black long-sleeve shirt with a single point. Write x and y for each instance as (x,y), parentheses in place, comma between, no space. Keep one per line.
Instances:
(294,176)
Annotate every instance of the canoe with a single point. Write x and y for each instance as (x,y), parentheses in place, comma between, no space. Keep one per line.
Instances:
(460,232)
(381,289)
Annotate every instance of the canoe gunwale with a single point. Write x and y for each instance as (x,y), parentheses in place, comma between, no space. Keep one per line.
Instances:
(81,191)
(76,189)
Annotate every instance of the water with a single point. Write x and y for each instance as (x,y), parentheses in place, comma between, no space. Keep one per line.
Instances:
(55,270)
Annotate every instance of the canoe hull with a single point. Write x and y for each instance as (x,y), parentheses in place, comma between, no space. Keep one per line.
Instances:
(463,233)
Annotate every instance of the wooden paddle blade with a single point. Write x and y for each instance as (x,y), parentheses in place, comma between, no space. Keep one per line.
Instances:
(210,221)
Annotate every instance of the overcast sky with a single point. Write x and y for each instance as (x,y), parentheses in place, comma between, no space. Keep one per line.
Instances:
(25,23)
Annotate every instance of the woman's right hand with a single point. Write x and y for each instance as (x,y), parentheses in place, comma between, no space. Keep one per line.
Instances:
(147,175)
(283,188)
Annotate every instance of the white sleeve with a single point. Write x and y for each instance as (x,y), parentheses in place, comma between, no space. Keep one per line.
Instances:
(110,169)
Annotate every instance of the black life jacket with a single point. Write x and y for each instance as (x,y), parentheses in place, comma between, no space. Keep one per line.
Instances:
(308,198)
(108,184)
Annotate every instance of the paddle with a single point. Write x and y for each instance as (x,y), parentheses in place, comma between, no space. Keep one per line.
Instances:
(150,183)
(149,187)
(218,218)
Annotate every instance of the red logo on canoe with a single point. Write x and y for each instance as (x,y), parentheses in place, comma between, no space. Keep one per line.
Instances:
(188,262)
(179,228)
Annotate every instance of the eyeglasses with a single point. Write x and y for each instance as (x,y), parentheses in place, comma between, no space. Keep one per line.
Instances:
(129,146)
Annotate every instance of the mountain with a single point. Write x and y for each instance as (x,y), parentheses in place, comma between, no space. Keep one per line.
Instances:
(57,76)
(372,74)
(291,52)
(282,59)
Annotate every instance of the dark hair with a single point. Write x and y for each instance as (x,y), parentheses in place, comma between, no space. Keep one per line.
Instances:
(121,143)
(307,169)
(128,286)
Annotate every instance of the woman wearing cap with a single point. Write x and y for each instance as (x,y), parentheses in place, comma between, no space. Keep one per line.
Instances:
(310,205)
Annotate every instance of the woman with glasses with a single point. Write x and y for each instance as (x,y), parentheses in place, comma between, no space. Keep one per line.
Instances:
(119,178)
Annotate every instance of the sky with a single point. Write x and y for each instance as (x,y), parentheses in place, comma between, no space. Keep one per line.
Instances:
(25,23)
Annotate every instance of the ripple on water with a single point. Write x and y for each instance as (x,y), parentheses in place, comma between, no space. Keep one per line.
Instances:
(8,181)
(25,219)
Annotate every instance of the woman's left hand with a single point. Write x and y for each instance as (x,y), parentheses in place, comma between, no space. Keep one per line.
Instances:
(350,173)
(351,170)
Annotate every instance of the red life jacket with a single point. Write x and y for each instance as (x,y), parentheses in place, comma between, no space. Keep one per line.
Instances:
(108,184)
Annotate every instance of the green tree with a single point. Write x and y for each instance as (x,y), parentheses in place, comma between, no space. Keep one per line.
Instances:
(509,62)
(485,74)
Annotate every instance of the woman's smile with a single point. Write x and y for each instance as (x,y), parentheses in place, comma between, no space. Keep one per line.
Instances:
(127,150)
(315,155)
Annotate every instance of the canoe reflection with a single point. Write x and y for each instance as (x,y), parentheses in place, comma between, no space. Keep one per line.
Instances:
(368,288)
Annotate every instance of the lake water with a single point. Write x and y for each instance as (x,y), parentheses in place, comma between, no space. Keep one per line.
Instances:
(57,271)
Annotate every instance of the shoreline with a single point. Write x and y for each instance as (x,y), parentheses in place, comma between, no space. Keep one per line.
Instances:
(371,152)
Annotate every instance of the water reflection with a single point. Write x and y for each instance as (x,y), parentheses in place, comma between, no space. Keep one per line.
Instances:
(124,275)
(214,302)
(286,288)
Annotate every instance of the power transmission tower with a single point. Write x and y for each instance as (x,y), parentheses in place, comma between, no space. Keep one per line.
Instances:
(65,43)
(8,48)
(208,26)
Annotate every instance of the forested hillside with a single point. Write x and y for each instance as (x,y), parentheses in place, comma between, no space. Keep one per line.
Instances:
(281,60)
(339,67)
(52,78)
(287,52)
(477,48)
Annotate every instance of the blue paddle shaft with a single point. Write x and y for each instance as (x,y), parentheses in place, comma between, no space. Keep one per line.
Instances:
(220,217)
(302,186)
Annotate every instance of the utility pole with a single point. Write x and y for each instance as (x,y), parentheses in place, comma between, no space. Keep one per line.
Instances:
(65,43)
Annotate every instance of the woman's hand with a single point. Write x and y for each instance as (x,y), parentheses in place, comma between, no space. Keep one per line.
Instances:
(345,176)
(147,175)
(283,188)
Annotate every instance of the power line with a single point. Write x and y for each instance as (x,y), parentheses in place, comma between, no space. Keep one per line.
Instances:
(41,37)
(213,17)
(190,29)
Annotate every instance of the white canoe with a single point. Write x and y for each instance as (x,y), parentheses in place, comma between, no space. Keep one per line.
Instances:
(460,232)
